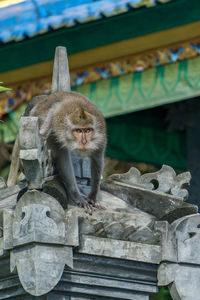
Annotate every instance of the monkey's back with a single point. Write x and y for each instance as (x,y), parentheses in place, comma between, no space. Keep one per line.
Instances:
(63,104)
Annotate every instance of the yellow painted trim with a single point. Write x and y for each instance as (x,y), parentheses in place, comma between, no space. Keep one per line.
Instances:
(109,52)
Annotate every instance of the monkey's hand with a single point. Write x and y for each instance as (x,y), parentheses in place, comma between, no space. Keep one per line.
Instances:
(83,202)
(95,204)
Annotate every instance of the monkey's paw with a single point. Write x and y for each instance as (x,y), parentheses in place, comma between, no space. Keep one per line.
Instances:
(82,202)
(96,205)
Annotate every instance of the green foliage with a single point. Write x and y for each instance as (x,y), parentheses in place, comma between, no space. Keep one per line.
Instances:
(2,89)
(163,294)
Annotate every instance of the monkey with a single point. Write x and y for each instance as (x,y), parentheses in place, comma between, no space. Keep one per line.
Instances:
(70,122)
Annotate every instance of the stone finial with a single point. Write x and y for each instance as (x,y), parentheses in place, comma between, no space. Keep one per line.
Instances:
(61,77)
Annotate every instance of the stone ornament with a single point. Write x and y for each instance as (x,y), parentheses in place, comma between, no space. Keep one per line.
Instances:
(35,233)
(34,154)
(163,181)
(181,239)
(180,269)
(160,194)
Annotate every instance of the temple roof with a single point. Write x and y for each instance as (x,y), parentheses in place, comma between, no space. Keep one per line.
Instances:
(25,19)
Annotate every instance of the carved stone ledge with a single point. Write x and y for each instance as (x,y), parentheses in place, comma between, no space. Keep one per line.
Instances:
(114,248)
(133,227)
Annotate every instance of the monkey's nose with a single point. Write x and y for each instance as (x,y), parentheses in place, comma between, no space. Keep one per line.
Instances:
(84,140)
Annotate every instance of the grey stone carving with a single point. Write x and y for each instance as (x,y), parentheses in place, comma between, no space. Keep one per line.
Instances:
(40,267)
(38,218)
(163,181)
(2,183)
(35,233)
(34,154)
(161,193)
(134,227)
(180,251)
(61,77)
(114,253)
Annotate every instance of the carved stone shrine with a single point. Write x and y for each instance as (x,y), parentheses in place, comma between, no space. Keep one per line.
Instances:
(147,237)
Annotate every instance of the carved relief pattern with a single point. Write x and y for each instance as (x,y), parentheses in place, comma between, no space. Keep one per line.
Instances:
(120,226)
(164,181)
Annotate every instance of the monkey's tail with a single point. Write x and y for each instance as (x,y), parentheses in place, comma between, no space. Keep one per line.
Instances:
(14,166)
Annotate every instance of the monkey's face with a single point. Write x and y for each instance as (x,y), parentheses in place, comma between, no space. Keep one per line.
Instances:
(83,137)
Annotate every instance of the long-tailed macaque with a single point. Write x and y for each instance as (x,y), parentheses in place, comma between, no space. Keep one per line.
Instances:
(71,122)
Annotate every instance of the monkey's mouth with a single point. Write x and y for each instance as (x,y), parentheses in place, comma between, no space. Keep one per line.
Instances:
(83,148)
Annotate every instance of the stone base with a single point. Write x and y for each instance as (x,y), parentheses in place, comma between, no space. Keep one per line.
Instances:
(92,278)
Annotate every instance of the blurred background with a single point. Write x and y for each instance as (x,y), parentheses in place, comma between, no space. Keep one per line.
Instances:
(138,60)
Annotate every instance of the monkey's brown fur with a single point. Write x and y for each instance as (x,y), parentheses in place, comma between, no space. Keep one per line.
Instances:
(71,105)
(72,102)
(63,117)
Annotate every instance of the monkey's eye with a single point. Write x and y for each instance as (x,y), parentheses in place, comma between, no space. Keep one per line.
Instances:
(88,130)
(78,130)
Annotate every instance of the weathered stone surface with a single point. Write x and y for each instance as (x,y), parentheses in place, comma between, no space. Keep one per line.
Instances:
(120,249)
(114,203)
(61,78)
(181,239)
(34,153)
(160,193)
(2,183)
(163,181)
(92,277)
(7,228)
(40,267)
(183,280)
(180,251)
(38,217)
(162,206)
(120,225)
(1,246)
(35,231)
(9,191)
(72,228)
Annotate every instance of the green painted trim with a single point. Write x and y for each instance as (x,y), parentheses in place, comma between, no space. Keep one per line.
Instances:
(92,35)
(147,89)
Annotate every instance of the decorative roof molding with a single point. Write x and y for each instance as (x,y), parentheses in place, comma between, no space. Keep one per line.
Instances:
(23,92)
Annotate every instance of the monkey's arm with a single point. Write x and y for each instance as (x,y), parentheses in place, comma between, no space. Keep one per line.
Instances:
(66,172)
(97,162)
